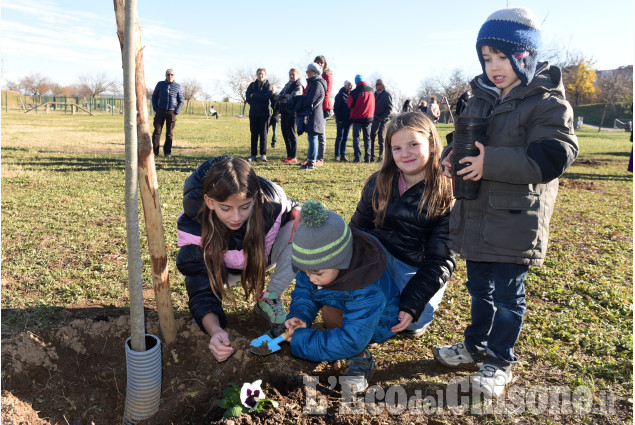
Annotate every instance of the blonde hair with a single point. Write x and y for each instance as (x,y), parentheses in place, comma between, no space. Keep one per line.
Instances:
(437,194)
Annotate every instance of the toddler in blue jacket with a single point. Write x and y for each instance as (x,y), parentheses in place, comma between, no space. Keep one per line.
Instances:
(342,271)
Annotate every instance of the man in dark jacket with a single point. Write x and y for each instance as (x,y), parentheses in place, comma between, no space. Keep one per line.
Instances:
(260,95)
(383,108)
(343,121)
(167,101)
(361,101)
(287,114)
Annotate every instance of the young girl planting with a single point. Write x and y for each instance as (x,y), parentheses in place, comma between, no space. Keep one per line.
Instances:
(406,205)
(235,226)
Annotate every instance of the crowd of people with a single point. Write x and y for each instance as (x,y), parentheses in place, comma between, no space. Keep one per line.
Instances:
(384,271)
(297,109)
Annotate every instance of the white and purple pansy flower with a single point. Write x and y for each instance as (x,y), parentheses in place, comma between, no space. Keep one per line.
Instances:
(250,394)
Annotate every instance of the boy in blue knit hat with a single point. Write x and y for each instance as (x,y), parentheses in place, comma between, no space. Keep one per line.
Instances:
(343,273)
(506,229)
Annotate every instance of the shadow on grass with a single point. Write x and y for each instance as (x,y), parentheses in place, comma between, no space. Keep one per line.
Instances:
(595,177)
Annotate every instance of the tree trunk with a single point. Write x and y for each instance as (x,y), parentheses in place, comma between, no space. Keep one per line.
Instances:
(135,284)
(150,192)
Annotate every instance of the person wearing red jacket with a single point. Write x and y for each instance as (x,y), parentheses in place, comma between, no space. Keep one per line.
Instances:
(361,101)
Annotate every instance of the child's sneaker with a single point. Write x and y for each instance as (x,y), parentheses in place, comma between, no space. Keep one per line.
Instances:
(491,379)
(358,371)
(456,355)
(270,306)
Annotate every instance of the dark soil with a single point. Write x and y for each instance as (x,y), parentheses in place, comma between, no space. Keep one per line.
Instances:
(75,373)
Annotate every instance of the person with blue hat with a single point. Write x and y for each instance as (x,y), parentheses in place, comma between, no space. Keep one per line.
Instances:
(506,228)
(361,102)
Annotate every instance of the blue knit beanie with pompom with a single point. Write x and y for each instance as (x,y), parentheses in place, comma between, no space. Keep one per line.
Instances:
(515,31)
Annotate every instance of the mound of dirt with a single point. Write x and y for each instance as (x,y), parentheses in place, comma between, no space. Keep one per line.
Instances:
(75,373)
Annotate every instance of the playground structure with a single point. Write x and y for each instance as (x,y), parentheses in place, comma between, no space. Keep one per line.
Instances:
(47,106)
(623,124)
(102,104)
(69,104)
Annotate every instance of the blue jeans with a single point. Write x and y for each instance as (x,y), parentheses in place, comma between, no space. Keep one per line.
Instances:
(498,308)
(341,138)
(365,130)
(313,146)
(401,273)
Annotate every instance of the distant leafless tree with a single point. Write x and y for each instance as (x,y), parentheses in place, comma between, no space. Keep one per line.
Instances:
(58,90)
(91,85)
(454,86)
(237,83)
(191,87)
(276,82)
(429,87)
(616,85)
(12,85)
(398,98)
(35,84)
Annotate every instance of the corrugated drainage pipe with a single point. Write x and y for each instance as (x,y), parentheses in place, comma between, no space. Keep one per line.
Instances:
(143,391)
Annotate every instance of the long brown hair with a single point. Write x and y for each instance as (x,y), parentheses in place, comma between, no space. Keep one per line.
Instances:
(226,178)
(325,66)
(437,194)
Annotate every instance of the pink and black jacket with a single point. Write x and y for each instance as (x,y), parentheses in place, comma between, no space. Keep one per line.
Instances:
(189,261)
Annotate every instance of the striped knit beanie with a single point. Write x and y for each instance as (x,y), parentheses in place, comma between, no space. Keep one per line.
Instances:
(323,240)
(515,32)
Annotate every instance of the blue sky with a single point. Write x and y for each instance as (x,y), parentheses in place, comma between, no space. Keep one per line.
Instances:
(402,41)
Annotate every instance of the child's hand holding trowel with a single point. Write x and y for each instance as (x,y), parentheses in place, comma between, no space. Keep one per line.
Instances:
(265,345)
(293,323)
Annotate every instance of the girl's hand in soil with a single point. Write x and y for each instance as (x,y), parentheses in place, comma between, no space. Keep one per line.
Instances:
(405,319)
(219,345)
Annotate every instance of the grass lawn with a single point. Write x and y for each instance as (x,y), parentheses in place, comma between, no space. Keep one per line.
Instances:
(64,238)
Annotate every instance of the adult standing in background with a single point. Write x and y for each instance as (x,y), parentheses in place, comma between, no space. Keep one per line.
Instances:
(383,108)
(462,101)
(407,106)
(327,106)
(343,121)
(167,101)
(361,101)
(310,106)
(433,110)
(423,107)
(259,96)
(287,114)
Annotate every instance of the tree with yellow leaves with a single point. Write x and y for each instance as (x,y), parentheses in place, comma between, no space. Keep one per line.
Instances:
(579,79)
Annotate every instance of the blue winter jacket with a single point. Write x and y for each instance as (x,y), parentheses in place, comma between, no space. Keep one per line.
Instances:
(370,307)
(168,97)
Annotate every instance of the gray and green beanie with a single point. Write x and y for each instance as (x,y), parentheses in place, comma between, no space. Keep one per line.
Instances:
(322,241)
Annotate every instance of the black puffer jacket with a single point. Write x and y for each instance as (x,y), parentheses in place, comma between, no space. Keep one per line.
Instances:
(412,238)
(189,260)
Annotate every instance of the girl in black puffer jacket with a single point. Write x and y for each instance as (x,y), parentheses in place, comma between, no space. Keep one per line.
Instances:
(406,205)
(235,225)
